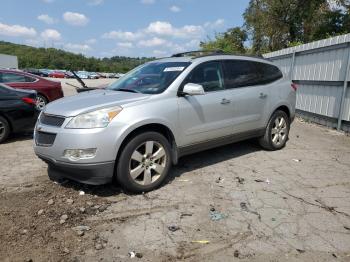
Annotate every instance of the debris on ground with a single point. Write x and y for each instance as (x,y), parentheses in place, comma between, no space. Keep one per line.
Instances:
(240,180)
(216,215)
(66,250)
(69,201)
(300,250)
(40,212)
(63,219)
(218,180)
(50,202)
(183,180)
(200,241)
(186,214)
(267,181)
(347,228)
(259,180)
(296,160)
(81,193)
(133,254)
(173,228)
(236,253)
(245,208)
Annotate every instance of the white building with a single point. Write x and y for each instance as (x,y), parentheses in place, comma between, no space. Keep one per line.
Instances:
(8,61)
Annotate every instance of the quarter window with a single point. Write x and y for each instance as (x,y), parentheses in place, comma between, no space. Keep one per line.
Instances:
(269,73)
(209,75)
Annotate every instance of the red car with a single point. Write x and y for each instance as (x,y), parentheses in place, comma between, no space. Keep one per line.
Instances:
(57,74)
(47,90)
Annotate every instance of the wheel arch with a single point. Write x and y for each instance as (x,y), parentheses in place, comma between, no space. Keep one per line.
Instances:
(155,127)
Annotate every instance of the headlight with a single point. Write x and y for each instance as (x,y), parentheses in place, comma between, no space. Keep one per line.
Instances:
(96,119)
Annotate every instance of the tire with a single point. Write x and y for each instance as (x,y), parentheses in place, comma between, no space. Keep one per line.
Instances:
(4,129)
(139,173)
(41,102)
(277,131)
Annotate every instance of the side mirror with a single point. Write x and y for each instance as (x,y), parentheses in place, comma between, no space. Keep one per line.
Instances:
(192,89)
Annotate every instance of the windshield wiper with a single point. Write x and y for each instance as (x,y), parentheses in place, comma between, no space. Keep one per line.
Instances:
(126,90)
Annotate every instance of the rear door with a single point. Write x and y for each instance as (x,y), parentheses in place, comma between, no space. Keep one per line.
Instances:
(209,116)
(250,97)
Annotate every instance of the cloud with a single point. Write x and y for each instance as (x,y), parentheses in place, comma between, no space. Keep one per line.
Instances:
(125,45)
(95,2)
(91,41)
(51,34)
(165,28)
(122,35)
(46,19)
(75,19)
(175,9)
(216,24)
(148,2)
(17,30)
(155,41)
(77,48)
(159,53)
(48,1)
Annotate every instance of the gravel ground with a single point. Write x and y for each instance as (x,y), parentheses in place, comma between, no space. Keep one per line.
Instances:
(235,202)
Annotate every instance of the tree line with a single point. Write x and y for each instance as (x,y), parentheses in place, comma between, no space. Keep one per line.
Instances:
(270,25)
(51,58)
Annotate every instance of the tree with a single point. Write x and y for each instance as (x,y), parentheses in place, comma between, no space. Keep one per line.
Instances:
(231,41)
(276,24)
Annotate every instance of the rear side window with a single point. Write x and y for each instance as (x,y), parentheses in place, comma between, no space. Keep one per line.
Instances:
(269,73)
(12,77)
(240,73)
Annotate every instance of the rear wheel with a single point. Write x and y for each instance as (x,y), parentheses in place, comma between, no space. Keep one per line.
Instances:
(4,129)
(277,131)
(41,102)
(144,162)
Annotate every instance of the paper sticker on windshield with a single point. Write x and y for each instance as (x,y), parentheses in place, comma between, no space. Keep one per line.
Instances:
(175,68)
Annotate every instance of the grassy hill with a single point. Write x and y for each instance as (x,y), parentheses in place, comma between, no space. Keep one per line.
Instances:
(32,57)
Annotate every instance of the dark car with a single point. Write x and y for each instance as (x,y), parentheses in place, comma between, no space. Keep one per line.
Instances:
(18,112)
(36,72)
(47,90)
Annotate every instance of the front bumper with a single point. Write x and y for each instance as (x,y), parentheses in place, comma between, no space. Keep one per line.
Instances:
(93,174)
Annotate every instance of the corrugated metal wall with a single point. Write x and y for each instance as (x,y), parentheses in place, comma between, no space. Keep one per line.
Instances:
(321,69)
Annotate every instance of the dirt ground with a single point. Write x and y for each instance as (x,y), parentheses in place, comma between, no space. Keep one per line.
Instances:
(233,203)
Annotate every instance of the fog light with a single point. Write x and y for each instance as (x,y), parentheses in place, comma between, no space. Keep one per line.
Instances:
(79,154)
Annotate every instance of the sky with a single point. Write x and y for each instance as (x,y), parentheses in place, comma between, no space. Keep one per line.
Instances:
(105,28)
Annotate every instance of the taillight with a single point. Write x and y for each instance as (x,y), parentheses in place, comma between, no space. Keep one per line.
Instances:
(28,100)
(294,86)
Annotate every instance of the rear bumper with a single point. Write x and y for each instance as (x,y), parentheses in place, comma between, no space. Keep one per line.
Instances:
(92,173)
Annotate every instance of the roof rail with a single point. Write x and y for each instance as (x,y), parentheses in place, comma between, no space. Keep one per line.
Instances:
(198,53)
(201,53)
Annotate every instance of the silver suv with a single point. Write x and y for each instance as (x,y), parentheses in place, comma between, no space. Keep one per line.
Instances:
(136,128)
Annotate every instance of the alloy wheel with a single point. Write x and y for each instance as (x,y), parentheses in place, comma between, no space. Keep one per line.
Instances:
(147,163)
(279,131)
(40,103)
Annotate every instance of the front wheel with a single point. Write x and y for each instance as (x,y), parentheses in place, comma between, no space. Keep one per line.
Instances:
(144,162)
(277,131)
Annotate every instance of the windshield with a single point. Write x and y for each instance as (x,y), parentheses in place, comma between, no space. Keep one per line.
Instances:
(150,78)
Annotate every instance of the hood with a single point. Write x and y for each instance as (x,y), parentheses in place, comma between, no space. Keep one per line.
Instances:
(91,100)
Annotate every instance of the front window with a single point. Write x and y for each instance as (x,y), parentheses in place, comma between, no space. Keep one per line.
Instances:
(150,78)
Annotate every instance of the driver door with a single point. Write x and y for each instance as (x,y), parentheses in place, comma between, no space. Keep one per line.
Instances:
(206,117)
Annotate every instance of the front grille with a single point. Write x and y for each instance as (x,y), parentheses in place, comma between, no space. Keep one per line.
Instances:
(51,120)
(44,138)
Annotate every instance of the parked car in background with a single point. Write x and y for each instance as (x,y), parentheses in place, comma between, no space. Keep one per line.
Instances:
(93,75)
(37,72)
(56,74)
(47,90)
(83,74)
(136,128)
(18,111)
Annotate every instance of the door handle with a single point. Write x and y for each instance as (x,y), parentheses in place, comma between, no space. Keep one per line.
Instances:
(225,101)
(262,95)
